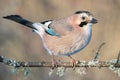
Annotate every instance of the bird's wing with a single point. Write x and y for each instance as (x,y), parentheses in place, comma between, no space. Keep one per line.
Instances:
(54,28)
(61,27)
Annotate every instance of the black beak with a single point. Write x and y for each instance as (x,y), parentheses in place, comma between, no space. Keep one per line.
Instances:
(94,21)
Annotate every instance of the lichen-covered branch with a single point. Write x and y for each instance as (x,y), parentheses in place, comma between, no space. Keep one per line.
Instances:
(80,63)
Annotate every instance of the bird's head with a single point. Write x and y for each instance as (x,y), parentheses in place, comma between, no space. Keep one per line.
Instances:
(83,18)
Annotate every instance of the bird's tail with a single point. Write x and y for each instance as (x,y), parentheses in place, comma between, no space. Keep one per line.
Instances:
(20,20)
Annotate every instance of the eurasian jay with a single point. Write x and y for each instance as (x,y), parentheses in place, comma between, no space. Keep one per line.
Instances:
(65,36)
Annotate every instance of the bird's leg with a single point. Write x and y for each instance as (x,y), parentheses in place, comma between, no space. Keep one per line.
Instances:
(54,63)
(74,62)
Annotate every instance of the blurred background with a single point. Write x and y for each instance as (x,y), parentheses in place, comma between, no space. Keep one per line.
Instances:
(20,43)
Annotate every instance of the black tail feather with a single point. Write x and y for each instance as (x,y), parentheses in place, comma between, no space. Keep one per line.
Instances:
(20,20)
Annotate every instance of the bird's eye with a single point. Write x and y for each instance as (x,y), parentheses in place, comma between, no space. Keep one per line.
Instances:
(83,18)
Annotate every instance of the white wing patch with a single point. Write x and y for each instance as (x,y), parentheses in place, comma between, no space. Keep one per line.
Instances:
(40,31)
(48,23)
(40,28)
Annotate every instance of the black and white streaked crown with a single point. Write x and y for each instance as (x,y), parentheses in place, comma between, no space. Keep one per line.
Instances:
(87,12)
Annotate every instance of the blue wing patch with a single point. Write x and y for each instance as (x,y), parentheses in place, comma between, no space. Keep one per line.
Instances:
(52,32)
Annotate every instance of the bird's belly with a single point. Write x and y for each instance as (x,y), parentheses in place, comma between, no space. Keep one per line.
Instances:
(66,45)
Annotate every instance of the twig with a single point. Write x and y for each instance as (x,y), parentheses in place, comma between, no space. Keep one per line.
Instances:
(99,48)
(98,52)
(118,61)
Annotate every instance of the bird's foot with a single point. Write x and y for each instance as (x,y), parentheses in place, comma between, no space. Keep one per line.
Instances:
(74,63)
(54,63)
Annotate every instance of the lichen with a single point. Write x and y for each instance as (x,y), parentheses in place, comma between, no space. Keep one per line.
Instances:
(81,71)
(113,68)
(51,72)
(60,71)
